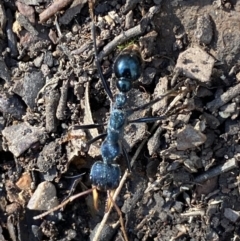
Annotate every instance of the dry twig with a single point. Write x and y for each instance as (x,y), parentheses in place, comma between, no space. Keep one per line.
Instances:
(215,171)
(140,29)
(123,180)
(63,204)
(224,98)
(52,9)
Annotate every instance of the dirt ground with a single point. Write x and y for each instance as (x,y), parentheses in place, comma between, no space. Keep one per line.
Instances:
(184,180)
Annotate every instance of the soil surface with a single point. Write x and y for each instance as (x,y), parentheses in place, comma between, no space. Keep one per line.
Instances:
(184,180)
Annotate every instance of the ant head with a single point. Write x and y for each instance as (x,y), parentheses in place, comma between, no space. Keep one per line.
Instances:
(127,68)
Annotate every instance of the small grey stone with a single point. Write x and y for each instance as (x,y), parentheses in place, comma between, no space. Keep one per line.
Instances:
(195,63)
(188,138)
(29,87)
(44,197)
(21,137)
(204,30)
(148,75)
(231,215)
(4,72)
(11,105)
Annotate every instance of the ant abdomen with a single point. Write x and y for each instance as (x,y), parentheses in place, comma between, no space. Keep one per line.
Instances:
(105,176)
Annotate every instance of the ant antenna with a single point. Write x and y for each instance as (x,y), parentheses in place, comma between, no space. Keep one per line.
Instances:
(93,30)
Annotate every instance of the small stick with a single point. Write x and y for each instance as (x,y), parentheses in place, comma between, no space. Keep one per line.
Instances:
(63,101)
(52,99)
(64,203)
(140,29)
(11,38)
(58,27)
(227,166)
(121,38)
(193,213)
(120,216)
(224,98)
(106,215)
(52,9)
(176,74)
(233,185)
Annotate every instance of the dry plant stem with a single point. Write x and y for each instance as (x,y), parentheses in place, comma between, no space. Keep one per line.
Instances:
(120,216)
(106,215)
(140,29)
(63,203)
(215,171)
(193,213)
(63,101)
(176,74)
(88,113)
(52,9)
(123,37)
(123,180)
(177,98)
(224,98)
(52,99)
(58,27)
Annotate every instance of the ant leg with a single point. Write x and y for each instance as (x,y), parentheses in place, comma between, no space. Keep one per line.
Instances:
(126,157)
(173,91)
(87,145)
(147,119)
(93,30)
(101,136)
(85,127)
(78,178)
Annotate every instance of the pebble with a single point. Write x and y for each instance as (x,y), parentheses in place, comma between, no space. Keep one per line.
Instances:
(195,63)
(1,236)
(230,214)
(21,137)
(177,207)
(26,10)
(204,30)
(38,60)
(13,208)
(148,75)
(72,11)
(161,88)
(24,182)
(232,127)
(106,233)
(227,110)
(3,18)
(30,86)
(11,105)
(12,40)
(4,72)
(157,2)
(48,59)
(25,23)
(31,2)
(129,5)
(188,138)
(129,23)
(44,197)
(154,142)
(211,120)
